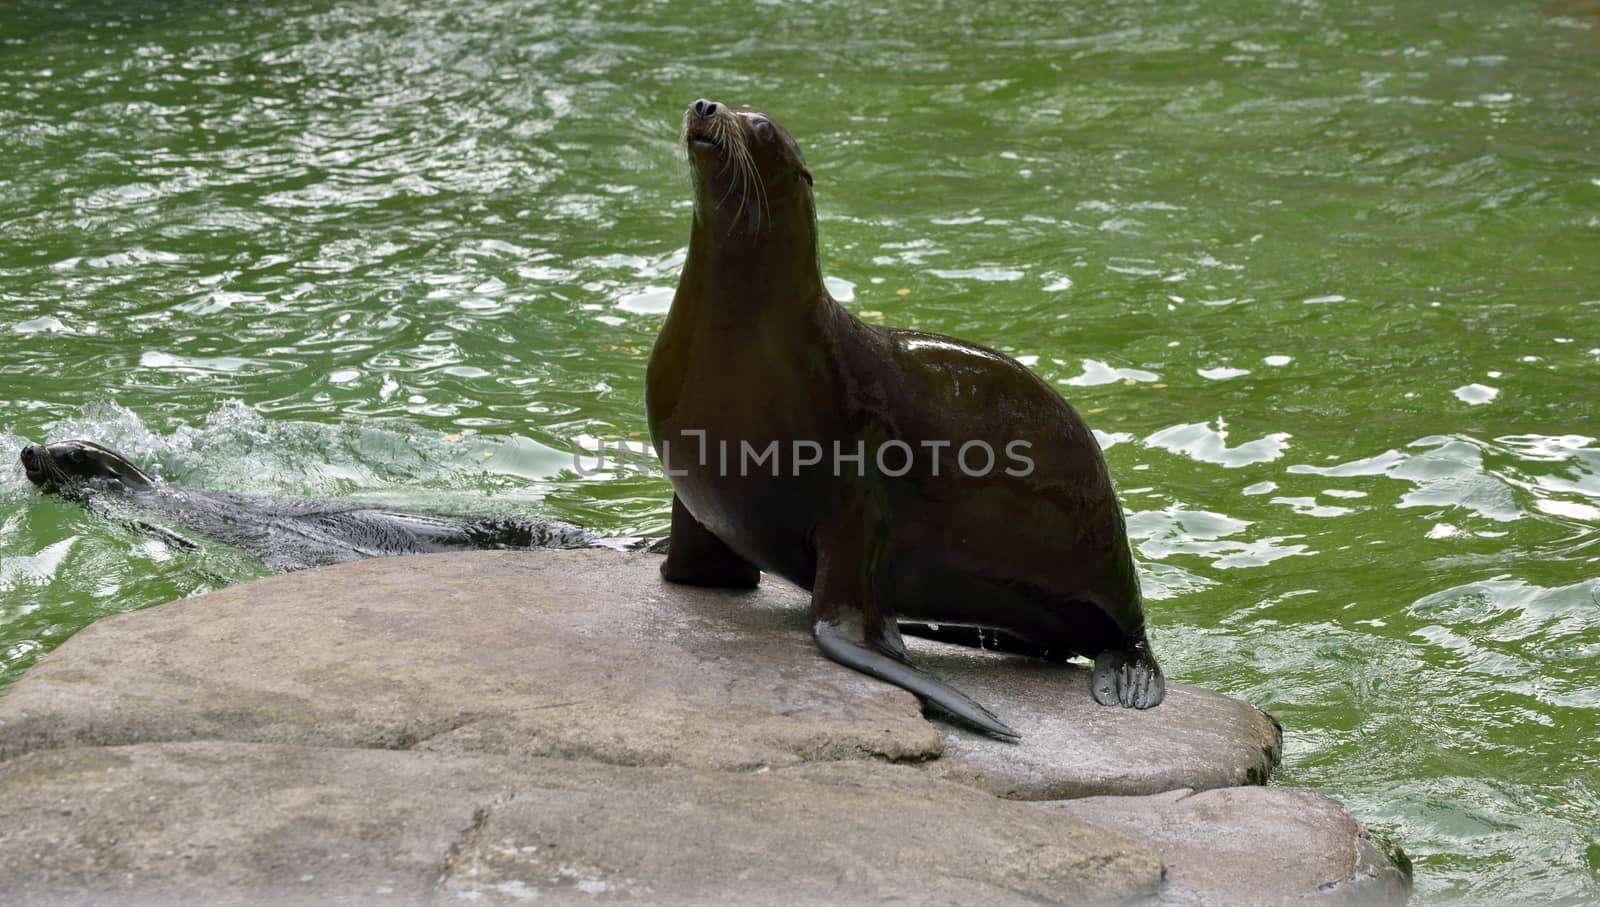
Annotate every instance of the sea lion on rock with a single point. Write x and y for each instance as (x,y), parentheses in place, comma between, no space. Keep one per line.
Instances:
(850,459)
(285,533)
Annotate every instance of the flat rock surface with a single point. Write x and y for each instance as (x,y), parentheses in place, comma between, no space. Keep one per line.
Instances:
(581,654)
(590,655)
(500,727)
(1254,846)
(1074,747)
(230,823)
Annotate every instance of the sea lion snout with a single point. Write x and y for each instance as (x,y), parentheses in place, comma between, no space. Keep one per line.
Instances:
(35,463)
(701,126)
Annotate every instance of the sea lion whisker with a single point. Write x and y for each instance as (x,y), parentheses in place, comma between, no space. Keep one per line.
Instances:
(731,188)
(719,133)
(750,182)
(760,213)
(744,169)
(743,180)
(739,185)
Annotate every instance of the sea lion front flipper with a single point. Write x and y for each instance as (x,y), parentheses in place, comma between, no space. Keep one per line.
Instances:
(849,628)
(1128,677)
(835,642)
(100,507)
(164,534)
(698,558)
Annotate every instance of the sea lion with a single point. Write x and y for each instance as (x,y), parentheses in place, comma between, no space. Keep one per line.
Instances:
(285,533)
(755,357)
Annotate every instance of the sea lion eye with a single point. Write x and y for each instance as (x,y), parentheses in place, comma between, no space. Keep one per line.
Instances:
(764,128)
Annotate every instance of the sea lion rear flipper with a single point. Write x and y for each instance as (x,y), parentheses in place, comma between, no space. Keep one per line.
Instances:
(1128,677)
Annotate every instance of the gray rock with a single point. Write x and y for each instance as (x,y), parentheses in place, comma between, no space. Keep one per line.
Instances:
(1255,846)
(228,823)
(493,727)
(582,655)
(590,655)
(1074,747)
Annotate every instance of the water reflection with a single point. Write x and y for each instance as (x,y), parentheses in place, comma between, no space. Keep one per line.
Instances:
(1161,534)
(1096,373)
(1200,441)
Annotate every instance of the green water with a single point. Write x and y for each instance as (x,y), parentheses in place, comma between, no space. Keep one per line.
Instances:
(1326,276)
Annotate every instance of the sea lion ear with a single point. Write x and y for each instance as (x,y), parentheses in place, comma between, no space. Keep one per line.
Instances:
(806,173)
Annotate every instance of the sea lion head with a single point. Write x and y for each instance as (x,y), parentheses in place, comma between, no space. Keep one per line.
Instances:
(71,468)
(748,170)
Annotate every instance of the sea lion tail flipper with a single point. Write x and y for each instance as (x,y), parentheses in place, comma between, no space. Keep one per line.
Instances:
(837,644)
(1128,677)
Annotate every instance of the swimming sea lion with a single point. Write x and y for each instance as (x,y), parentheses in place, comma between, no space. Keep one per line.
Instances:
(285,533)
(875,492)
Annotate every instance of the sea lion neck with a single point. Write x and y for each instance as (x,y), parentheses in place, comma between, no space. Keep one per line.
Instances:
(754,273)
